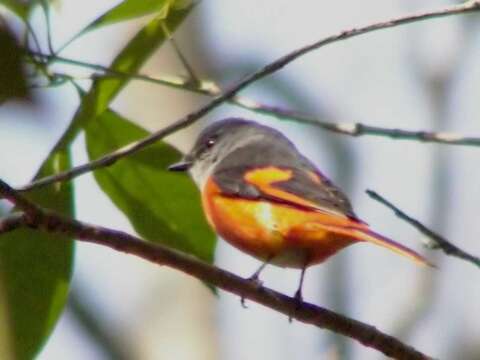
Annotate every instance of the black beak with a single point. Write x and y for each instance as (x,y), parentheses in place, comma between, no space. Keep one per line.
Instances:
(180,166)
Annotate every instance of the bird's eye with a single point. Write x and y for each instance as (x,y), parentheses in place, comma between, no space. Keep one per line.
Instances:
(210,142)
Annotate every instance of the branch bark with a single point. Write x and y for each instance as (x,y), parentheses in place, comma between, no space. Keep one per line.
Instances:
(109,159)
(48,221)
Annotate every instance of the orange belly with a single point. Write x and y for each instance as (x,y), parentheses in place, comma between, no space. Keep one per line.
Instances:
(289,236)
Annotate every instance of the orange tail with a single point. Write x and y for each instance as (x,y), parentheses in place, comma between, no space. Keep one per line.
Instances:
(361,232)
(375,238)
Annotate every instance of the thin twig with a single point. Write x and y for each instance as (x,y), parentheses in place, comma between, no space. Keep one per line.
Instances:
(189,119)
(439,241)
(11,222)
(18,200)
(359,129)
(308,313)
(193,78)
(46,12)
(210,88)
(30,31)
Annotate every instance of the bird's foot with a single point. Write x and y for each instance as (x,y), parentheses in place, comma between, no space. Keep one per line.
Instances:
(254,280)
(298,303)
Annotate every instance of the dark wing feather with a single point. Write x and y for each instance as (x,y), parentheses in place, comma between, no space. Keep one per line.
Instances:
(323,193)
(306,181)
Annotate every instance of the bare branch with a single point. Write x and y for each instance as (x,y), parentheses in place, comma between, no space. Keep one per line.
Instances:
(11,222)
(358,129)
(276,65)
(210,88)
(18,200)
(439,242)
(368,335)
(193,78)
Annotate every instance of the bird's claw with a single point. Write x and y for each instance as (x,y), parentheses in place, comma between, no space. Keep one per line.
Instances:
(242,302)
(254,279)
(298,303)
(298,299)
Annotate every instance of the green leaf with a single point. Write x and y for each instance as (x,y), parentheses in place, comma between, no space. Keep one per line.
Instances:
(162,206)
(129,60)
(12,78)
(23,8)
(35,269)
(126,10)
(131,9)
(20,8)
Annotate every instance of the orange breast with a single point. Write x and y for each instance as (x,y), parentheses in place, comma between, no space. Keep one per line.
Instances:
(292,236)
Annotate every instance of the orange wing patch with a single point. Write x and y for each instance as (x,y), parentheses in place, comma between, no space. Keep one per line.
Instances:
(265,178)
(315,178)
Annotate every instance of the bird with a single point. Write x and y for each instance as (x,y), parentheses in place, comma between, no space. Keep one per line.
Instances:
(260,194)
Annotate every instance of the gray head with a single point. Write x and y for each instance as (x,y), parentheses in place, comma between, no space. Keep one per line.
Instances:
(219,140)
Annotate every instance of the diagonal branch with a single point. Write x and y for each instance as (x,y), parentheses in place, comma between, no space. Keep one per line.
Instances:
(439,242)
(29,208)
(11,222)
(368,335)
(210,88)
(193,78)
(109,159)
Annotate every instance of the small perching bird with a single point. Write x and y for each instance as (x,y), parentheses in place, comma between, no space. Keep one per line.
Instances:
(264,197)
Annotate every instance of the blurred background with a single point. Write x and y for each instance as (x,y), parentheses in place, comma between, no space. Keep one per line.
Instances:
(423,76)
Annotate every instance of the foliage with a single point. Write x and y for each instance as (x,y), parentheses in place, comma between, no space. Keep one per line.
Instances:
(134,182)
(12,78)
(35,269)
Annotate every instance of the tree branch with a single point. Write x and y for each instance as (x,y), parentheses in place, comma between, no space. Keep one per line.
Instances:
(439,242)
(48,221)
(29,208)
(11,222)
(109,159)
(210,88)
